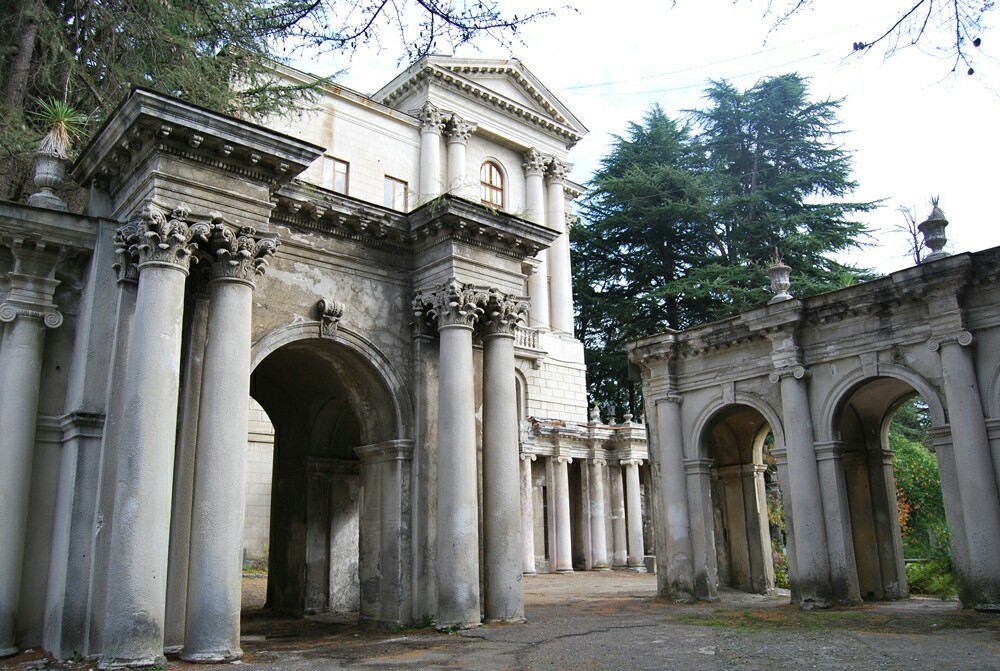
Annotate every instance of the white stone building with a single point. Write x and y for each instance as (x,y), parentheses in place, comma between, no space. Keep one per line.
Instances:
(375,311)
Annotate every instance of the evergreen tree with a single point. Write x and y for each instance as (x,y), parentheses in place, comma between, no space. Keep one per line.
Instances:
(681,223)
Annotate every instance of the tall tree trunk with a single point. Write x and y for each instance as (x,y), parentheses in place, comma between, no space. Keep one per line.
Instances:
(16,78)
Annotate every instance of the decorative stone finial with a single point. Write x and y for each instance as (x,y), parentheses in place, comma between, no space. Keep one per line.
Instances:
(595,414)
(50,174)
(780,283)
(933,230)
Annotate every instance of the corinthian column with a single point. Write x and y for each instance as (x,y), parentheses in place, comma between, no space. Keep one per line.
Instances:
(458,131)
(561,289)
(564,547)
(456,308)
(212,625)
(538,282)
(598,517)
(636,549)
(431,124)
(504,598)
(27,312)
(140,533)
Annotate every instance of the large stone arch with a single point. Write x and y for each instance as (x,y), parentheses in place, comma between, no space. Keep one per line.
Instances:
(709,409)
(834,399)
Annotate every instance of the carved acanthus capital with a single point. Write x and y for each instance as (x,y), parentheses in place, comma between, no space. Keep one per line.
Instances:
(534,162)
(330,313)
(432,120)
(504,313)
(155,239)
(459,130)
(963,338)
(796,372)
(557,170)
(239,254)
(450,304)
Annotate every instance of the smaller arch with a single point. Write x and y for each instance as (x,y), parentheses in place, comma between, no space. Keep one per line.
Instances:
(710,409)
(841,392)
(492,184)
(361,348)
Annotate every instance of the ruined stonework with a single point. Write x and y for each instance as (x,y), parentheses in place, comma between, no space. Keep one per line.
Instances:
(392,291)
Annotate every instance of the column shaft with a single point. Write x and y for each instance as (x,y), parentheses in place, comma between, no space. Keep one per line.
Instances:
(431,124)
(538,282)
(561,289)
(141,532)
(527,516)
(598,517)
(678,565)
(504,598)
(619,537)
(980,588)
(564,548)
(637,552)
(20,371)
(457,168)
(212,629)
(458,518)
(812,560)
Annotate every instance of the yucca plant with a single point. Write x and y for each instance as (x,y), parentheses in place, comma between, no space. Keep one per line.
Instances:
(64,124)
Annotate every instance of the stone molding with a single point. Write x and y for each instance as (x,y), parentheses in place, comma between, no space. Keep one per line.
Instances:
(459,130)
(32,282)
(391,450)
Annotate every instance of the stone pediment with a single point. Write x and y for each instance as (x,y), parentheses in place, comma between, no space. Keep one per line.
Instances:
(505,85)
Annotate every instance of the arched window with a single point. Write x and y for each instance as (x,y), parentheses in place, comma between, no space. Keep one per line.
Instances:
(491,184)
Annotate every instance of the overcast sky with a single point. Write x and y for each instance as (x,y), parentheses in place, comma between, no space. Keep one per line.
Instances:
(914,129)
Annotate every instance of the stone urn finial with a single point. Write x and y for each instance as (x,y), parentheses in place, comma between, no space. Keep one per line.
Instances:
(780,283)
(62,123)
(933,231)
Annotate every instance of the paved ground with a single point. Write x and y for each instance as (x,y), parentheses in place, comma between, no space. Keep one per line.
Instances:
(612,621)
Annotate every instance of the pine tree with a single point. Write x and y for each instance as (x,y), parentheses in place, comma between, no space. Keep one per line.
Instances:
(681,223)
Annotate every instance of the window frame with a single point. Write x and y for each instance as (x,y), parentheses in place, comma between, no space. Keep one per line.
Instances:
(332,163)
(490,187)
(403,192)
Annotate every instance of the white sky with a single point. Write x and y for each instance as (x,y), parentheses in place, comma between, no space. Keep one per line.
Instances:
(914,129)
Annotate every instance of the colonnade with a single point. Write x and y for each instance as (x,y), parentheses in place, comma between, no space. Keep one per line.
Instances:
(457,310)
(603,508)
(550,287)
(158,251)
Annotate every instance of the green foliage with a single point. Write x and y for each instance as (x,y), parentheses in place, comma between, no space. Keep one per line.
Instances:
(934,577)
(64,124)
(681,221)
(919,493)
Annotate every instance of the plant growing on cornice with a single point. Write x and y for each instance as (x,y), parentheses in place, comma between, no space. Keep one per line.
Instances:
(63,124)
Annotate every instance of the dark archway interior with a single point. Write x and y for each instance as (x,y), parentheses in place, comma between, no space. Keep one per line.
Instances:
(323,403)
(734,439)
(871,486)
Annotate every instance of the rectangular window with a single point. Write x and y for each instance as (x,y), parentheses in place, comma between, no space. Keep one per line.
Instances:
(335,173)
(395,193)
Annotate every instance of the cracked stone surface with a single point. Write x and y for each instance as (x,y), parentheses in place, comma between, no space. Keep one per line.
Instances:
(601,621)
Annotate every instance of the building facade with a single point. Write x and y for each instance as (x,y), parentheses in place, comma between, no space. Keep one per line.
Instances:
(419,436)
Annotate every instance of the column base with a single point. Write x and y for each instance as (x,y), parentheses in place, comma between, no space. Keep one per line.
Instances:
(218,657)
(637,569)
(137,663)
(173,650)
(458,626)
(8,652)
(601,568)
(506,620)
(564,570)
(529,572)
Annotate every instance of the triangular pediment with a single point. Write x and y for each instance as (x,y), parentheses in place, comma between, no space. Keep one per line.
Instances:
(504,84)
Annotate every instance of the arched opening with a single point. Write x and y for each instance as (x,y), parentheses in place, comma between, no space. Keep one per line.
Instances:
(873,496)
(735,439)
(324,401)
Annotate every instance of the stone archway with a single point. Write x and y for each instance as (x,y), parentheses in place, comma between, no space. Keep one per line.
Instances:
(862,424)
(734,438)
(340,479)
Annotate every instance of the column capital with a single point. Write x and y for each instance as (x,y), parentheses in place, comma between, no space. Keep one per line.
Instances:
(32,282)
(562,459)
(527,456)
(450,304)
(798,372)
(631,462)
(239,254)
(330,313)
(599,460)
(432,120)
(557,170)
(504,314)
(459,130)
(963,338)
(534,162)
(151,238)
(670,397)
